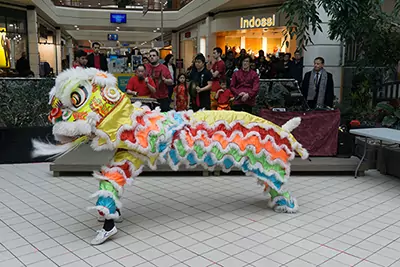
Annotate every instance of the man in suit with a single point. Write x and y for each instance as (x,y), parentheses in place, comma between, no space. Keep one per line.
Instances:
(317,87)
(96,59)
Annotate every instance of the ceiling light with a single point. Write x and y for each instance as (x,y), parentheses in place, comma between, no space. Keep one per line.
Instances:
(116,30)
(89,5)
(154,31)
(76,26)
(99,4)
(77,29)
(158,29)
(11,25)
(117,27)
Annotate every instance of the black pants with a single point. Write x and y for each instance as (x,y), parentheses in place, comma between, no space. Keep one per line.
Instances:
(243,107)
(164,104)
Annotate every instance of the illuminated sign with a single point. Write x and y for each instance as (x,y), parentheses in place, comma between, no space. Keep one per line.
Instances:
(250,22)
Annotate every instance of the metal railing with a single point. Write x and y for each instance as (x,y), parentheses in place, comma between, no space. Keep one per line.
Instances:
(154,5)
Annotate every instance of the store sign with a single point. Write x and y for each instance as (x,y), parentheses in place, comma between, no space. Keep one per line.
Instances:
(251,22)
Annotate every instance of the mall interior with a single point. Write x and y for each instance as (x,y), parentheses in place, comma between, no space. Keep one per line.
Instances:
(306,186)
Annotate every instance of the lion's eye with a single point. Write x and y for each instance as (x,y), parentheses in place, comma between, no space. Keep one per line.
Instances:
(79,97)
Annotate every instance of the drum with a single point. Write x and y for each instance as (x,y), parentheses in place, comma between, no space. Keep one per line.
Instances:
(152,103)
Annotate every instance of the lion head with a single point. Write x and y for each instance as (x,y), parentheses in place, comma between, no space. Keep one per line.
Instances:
(81,100)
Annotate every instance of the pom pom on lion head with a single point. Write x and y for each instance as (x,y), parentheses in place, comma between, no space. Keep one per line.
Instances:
(81,99)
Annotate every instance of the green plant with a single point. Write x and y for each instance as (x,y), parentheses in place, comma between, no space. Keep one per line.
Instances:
(388,114)
(362,22)
(24,102)
(276,96)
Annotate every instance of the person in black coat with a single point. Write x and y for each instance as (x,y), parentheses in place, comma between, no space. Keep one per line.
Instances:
(96,59)
(317,87)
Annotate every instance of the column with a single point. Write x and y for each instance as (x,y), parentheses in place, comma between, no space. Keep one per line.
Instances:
(70,47)
(265,44)
(211,41)
(175,44)
(58,51)
(243,42)
(330,50)
(33,39)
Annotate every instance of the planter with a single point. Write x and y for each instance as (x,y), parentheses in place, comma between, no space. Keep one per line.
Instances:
(345,145)
(388,161)
(16,143)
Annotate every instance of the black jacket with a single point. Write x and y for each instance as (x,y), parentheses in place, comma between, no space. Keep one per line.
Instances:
(103,62)
(329,92)
(296,70)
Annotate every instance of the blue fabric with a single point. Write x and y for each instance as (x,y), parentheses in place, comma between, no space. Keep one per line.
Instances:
(209,161)
(191,159)
(107,202)
(283,202)
(174,157)
(261,175)
(228,163)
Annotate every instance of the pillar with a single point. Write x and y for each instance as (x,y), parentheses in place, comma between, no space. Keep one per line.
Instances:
(70,47)
(211,41)
(175,44)
(58,68)
(33,39)
(330,50)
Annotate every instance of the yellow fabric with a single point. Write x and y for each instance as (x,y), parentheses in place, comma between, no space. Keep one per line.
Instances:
(211,117)
(125,155)
(120,116)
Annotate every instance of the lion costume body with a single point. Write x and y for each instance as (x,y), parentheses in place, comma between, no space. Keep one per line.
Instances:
(88,107)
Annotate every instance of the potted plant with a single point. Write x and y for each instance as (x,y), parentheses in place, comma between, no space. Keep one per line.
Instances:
(388,114)
(24,110)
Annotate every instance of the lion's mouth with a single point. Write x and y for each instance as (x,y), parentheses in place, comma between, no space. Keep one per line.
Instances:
(67,132)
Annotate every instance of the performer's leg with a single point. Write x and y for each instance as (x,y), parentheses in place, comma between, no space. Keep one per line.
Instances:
(281,202)
(112,181)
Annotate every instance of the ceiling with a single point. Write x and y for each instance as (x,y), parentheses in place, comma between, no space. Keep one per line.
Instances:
(241,4)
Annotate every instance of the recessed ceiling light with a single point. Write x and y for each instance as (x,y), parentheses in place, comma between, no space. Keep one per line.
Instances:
(117,27)
(116,30)
(99,4)
(154,31)
(158,29)
(11,25)
(76,26)
(77,29)
(89,5)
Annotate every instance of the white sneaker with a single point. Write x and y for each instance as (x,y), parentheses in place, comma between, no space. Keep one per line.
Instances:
(103,235)
(102,219)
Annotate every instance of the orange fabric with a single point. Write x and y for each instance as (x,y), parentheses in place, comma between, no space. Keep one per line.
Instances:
(242,143)
(142,134)
(116,177)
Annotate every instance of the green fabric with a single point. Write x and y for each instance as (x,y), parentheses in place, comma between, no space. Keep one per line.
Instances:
(181,148)
(275,194)
(219,155)
(153,141)
(107,186)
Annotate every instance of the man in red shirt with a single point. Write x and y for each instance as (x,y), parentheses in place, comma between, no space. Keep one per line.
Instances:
(140,85)
(245,86)
(96,59)
(218,73)
(162,78)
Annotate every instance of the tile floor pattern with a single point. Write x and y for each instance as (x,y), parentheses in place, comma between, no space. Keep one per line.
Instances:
(199,221)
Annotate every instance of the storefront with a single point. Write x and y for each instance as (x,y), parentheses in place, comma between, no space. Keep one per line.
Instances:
(253,30)
(13,36)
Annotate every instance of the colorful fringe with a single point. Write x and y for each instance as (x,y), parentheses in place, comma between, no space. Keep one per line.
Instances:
(262,150)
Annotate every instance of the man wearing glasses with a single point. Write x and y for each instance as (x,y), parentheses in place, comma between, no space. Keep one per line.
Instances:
(161,77)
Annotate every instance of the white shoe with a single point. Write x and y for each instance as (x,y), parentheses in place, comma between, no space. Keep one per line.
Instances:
(102,219)
(103,235)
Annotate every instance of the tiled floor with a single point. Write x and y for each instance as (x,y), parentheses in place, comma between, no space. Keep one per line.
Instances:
(199,221)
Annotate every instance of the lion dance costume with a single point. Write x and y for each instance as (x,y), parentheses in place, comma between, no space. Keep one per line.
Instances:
(89,108)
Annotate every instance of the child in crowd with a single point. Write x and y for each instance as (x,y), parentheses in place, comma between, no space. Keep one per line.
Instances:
(80,59)
(224,97)
(180,96)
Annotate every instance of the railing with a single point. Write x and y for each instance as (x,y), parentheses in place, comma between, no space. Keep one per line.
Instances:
(153,5)
(388,91)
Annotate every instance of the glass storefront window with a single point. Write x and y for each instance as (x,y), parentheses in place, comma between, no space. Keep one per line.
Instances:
(13,36)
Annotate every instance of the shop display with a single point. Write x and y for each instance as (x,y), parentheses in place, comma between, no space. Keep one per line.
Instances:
(89,108)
